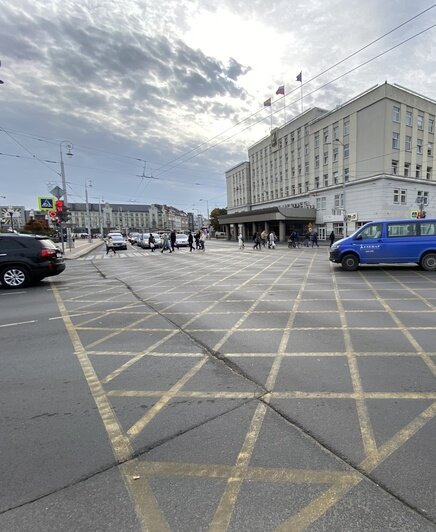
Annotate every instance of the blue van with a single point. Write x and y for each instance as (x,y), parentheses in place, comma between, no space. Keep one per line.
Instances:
(389,242)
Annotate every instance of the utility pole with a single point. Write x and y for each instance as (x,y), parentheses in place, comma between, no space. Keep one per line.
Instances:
(88,216)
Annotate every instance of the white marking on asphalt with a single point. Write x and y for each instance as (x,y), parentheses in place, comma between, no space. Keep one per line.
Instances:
(13,293)
(18,323)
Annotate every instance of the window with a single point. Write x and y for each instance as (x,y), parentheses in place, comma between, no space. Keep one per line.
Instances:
(408,143)
(316,161)
(419,146)
(335,154)
(335,178)
(372,231)
(306,186)
(395,167)
(431,125)
(326,135)
(406,169)
(395,141)
(420,122)
(346,174)
(346,151)
(430,150)
(326,180)
(306,149)
(402,229)
(346,126)
(321,204)
(299,188)
(326,157)
(422,197)
(335,132)
(395,113)
(317,182)
(409,119)
(428,173)
(427,229)
(306,167)
(403,197)
(418,170)
(317,140)
(339,201)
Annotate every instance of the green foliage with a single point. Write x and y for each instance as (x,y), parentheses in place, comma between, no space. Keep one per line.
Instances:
(36,228)
(214,217)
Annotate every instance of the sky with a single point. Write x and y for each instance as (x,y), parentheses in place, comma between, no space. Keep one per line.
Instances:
(174,90)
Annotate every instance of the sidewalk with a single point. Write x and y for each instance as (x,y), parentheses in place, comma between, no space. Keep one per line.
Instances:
(82,247)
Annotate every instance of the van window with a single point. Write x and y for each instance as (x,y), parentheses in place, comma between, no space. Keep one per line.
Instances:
(372,231)
(402,229)
(428,228)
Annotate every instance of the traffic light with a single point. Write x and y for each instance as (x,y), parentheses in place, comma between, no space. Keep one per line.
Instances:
(59,206)
(66,214)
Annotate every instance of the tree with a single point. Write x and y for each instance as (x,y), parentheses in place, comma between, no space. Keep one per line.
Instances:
(36,228)
(215,213)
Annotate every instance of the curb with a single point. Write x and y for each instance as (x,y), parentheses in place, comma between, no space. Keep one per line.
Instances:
(83,251)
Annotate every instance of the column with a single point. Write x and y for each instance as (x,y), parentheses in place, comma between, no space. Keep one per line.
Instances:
(282,231)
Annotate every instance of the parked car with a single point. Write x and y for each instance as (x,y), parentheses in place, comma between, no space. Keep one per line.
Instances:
(118,242)
(182,240)
(133,238)
(28,258)
(389,242)
(143,240)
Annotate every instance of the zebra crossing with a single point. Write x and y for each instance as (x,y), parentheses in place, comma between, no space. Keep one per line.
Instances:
(111,256)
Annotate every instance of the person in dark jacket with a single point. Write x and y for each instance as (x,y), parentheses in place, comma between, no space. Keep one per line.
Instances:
(190,241)
(332,237)
(173,240)
(151,242)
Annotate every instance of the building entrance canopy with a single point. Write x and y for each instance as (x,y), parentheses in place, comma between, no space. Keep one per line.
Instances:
(297,214)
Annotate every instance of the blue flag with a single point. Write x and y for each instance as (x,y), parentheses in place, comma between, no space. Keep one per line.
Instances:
(300,77)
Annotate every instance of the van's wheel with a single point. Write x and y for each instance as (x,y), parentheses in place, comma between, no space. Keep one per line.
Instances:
(14,277)
(428,262)
(349,262)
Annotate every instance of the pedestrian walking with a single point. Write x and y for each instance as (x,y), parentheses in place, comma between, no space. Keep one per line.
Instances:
(197,240)
(173,240)
(314,238)
(257,241)
(264,237)
(109,246)
(151,242)
(306,239)
(272,240)
(241,241)
(190,241)
(332,237)
(165,243)
(202,241)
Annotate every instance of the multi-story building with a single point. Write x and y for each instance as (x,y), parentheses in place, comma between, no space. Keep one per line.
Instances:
(369,158)
(126,217)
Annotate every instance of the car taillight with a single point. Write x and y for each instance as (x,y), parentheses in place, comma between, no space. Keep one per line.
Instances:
(48,253)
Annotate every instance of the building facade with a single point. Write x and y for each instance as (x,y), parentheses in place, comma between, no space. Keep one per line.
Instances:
(369,158)
(104,217)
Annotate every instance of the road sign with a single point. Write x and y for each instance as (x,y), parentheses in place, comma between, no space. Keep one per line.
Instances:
(45,204)
(57,192)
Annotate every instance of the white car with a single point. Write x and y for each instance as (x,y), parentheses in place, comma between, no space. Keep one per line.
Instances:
(143,240)
(182,240)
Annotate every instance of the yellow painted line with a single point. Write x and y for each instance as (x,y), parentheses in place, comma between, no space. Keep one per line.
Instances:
(117,332)
(227,503)
(176,354)
(185,393)
(353,395)
(164,400)
(362,410)
(145,504)
(135,359)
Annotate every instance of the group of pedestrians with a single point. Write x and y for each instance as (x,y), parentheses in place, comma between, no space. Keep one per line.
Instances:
(170,242)
(263,239)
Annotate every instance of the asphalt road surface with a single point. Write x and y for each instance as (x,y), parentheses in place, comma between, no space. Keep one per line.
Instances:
(230,390)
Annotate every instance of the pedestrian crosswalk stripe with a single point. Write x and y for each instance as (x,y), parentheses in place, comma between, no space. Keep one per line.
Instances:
(118,255)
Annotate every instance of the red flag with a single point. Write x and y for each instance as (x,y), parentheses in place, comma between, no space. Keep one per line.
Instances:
(267,103)
(281,90)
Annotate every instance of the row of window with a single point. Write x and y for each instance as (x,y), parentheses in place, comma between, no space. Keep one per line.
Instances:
(408,144)
(400,197)
(407,170)
(396,117)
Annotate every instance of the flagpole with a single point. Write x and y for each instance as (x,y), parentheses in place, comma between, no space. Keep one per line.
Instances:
(301,88)
(284,110)
(270,108)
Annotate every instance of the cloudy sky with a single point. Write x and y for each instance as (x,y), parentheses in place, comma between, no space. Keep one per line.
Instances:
(181,84)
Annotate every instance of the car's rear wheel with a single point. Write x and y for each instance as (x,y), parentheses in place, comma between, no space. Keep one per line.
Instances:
(428,262)
(14,277)
(350,262)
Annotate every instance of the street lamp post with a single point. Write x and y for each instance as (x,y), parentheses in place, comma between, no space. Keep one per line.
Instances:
(88,216)
(11,214)
(208,220)
(69,153)
(344,197)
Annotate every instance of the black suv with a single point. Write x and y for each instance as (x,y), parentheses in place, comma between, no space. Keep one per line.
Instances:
(27,258)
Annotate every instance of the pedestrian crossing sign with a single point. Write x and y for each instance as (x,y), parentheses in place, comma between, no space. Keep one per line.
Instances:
(46,204)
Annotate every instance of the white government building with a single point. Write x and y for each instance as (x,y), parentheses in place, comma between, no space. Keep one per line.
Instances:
(369,158)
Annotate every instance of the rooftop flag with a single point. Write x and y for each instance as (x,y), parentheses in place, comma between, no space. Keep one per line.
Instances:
(300,77)
(281,90)
(267,103)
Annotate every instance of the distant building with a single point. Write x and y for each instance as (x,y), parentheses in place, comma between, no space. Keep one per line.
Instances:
(127,217)
(369,158)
